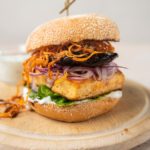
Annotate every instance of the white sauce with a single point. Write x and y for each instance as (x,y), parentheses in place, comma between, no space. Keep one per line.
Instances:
(47,100)
(115,94)
(11,68)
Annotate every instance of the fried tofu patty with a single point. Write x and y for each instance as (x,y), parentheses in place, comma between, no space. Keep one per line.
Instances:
(78,90)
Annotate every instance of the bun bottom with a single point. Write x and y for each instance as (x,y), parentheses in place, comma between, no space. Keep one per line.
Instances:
(75,113)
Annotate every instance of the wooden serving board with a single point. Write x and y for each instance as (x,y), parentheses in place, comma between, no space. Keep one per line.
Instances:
(124,127)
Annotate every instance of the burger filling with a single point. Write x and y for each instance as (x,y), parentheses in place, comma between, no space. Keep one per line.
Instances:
(73,72)
(44,95)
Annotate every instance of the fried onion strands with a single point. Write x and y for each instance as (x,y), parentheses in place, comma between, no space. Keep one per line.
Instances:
(11,107)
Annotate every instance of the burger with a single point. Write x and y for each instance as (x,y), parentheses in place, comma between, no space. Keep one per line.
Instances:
(70,75)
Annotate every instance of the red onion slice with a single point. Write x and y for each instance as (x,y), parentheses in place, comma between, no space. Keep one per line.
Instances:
(80,73)
(104,74)
(44,70)
(98,73)
(36,74)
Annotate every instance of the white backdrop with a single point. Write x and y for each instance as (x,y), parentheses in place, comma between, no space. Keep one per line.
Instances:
(19,17)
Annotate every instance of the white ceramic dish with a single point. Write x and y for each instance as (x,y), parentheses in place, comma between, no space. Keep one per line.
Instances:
(11,66)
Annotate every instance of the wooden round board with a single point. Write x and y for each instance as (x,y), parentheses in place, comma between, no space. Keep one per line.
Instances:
(124,127)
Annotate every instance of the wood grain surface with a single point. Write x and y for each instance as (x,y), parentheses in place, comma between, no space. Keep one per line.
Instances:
(124,127)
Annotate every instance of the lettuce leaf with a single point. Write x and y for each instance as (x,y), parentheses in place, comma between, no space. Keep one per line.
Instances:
(33,94)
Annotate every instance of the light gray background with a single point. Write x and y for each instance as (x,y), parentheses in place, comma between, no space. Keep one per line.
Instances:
(19,17)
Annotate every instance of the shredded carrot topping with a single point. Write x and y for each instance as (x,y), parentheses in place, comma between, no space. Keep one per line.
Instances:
(9,108)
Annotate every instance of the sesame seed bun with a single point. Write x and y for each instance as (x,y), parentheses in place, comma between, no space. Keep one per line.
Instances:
(75,113)
(72,28)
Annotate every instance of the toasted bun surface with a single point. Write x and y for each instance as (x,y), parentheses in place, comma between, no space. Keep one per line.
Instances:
(75,113)
(72,28)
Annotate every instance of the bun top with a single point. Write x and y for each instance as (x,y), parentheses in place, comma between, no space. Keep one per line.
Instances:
(73,28)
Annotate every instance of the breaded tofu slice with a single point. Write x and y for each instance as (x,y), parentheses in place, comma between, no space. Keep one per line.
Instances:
(78,90)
